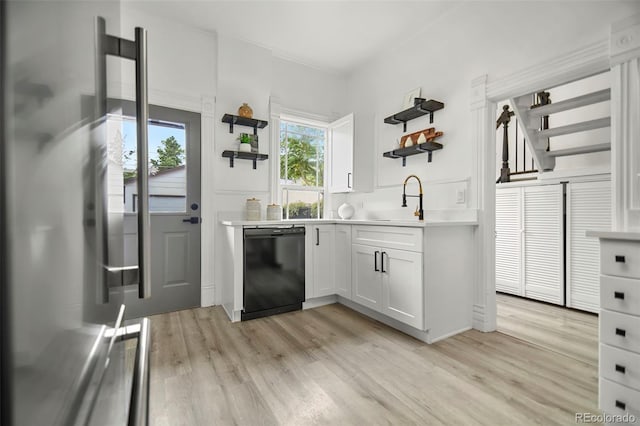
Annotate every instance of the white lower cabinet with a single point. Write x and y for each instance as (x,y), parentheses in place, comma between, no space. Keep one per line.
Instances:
(343,260)
(366,279)
(389,281)
(402,287)
(323,263)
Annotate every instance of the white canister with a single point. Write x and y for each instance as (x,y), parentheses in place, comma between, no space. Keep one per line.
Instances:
(274,212)
(254,210)
(346,211)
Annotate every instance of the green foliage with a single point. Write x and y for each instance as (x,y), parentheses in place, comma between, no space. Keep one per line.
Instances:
(244,138)
(298,161)
(170,154)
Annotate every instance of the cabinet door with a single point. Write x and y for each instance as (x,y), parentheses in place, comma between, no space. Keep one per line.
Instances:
(323,260)
(340,173)
(588,207)
(402,287)
(509,241)
(544,243)
(366,277)
(343,260)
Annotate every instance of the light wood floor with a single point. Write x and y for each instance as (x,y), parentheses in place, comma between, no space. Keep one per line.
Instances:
(331,365)
(566,331)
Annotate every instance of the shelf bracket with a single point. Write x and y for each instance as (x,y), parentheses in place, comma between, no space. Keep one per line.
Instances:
(404,126)
(254,163)
(231,162)
(231,128)
(431,117)
(404,161)
(429,157)
(255,131)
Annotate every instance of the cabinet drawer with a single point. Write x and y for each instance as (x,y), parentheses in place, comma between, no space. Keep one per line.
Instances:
(620,366)
(620,330)
(388,236)
(620,294)
(616,399)
(621,258)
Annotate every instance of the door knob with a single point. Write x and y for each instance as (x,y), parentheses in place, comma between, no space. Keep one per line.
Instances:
(194,220)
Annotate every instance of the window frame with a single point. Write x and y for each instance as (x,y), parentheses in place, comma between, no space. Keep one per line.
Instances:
(278,189)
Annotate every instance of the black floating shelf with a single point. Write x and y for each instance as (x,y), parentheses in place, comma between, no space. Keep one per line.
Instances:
(423,108)
(231,155)
(243,121)
(421,148)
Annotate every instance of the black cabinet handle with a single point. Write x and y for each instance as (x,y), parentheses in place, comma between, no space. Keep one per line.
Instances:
(375,261)
(382,261)
(192,220)
(317,236)
(618,295)
(621,405)
(621,368)
(621,332)
(620,259)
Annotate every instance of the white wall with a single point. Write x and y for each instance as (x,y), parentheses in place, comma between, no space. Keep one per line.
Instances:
(187,64)
(252,74)
(476,38)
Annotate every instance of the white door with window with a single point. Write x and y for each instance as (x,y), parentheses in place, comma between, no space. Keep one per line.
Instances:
(174,206)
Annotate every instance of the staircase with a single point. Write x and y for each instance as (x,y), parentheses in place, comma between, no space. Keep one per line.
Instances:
(537,136)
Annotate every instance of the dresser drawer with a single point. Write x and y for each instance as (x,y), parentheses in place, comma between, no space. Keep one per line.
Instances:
(620,294)
(620,330)
(621,258)
(617,399)
(388,236)
(620,366)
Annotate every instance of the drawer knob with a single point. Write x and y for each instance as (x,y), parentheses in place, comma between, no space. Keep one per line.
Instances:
(621,368)
(621,405)
(618,295)
(620,259)
(621,332)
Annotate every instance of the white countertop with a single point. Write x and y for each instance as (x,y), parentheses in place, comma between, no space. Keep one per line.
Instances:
(614,235)
(376,222)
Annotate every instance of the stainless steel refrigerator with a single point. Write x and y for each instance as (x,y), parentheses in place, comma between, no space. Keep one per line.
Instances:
(68,354)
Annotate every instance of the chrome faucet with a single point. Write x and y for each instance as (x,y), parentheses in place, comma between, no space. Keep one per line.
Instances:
(419,212)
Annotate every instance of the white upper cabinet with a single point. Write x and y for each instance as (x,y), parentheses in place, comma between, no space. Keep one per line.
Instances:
(340,170)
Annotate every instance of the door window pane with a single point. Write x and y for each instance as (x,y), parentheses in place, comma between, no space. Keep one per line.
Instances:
(167,165)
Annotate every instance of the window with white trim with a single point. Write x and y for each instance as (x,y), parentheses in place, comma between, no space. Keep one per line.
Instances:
(302,169)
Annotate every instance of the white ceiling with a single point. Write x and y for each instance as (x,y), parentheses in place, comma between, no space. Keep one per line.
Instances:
(331,35)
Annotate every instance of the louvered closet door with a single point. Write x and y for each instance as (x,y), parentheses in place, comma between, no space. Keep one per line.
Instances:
(588,207)
(543,243)
(509,241)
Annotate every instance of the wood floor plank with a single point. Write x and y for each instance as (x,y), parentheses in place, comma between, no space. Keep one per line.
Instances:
(331,365)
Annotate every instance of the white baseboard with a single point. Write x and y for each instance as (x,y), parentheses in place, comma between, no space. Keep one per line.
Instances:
(319,301)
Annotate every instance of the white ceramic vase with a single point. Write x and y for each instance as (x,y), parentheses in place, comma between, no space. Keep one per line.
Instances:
(346,211)
(244,147)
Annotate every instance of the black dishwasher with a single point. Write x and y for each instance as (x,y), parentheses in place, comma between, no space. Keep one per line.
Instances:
(273,271)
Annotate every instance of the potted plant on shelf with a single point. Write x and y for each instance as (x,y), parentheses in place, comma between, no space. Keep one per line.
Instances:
(245,142)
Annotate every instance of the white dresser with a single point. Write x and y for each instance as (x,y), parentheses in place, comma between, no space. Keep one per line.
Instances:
(619,392)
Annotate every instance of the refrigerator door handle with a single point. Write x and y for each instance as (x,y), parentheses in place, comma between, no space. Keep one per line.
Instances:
(142,117)
(137,51)
(139,407)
